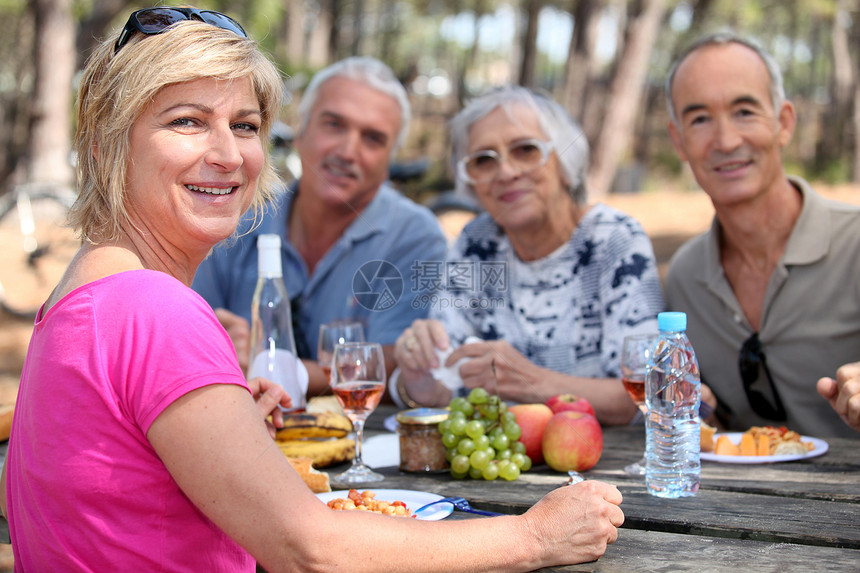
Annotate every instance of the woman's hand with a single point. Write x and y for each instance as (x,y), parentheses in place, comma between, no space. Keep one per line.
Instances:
(415,354)
(268,397)
(514,376)
(415,349)
(576,523)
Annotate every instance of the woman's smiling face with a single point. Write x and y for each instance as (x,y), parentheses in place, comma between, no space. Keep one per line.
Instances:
(514,199)
(195,157)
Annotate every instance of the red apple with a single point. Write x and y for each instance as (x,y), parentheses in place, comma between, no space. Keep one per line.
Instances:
(572,441)
(570,403)
(532,419)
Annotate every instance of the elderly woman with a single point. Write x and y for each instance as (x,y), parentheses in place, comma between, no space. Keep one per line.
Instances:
(136,440)
(551,284)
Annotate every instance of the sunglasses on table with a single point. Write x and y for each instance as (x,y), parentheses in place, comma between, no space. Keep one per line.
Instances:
(151,21)
(751,362)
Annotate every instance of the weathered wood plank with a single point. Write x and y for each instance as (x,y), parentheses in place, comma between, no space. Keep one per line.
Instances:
(657,552)
(812,502)
(712,512)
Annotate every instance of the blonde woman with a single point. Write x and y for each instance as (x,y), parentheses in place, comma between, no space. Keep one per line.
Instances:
(137,442)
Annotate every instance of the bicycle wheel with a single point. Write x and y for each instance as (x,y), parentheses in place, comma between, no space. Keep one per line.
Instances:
(36,248)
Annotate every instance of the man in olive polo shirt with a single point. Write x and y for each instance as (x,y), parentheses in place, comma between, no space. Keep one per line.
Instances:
(771,290)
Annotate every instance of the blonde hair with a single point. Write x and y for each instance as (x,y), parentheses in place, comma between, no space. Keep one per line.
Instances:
(115,90)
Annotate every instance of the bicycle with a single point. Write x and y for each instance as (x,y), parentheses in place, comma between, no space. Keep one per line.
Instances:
(36,245)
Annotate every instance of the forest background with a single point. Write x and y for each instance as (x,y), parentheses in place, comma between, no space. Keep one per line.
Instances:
(604,60)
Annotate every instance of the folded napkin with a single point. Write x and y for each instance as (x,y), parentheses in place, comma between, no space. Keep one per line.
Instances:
(450,376)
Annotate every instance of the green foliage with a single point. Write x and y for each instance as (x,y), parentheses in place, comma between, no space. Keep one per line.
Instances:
(12,7)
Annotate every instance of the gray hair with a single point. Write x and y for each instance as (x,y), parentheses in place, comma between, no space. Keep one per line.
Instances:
(777,89)
(567,138)
(368,71)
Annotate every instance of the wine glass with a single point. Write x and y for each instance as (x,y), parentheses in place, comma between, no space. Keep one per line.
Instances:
(635,353)
(332,334)
(358,381)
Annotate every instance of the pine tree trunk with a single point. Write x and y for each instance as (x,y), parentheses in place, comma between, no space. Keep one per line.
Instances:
(624,98)
(527,67)
(579,70)
(50,146)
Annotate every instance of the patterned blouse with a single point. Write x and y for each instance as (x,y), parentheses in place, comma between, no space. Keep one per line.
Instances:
(568,311)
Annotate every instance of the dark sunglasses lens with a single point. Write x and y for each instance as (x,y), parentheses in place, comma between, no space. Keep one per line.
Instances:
(222,21)
(156,20)
(749,361)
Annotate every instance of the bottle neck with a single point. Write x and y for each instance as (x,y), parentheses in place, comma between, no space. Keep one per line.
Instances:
(269,263)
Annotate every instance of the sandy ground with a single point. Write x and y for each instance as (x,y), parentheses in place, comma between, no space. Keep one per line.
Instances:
(669,217)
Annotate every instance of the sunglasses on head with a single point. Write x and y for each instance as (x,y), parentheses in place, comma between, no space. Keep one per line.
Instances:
(751,361)
(152,21)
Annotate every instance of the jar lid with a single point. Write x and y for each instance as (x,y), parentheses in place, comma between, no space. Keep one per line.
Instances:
(423,416)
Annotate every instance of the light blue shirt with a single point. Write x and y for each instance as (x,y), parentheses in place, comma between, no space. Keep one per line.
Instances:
(368,275)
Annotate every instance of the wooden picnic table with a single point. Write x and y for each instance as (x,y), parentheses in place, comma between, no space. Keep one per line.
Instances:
(791,516)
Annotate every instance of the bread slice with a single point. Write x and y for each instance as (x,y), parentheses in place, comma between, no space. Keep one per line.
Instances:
(315,479)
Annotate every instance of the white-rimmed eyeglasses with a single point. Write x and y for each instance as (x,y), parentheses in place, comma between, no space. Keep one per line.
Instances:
(483,166)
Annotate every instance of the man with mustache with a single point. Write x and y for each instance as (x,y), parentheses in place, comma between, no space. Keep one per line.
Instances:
(340,221)
(771,289)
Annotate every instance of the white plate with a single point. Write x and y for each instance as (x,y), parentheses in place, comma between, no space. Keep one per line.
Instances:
(381,451)
(412,499)
(820,447)
(391,423)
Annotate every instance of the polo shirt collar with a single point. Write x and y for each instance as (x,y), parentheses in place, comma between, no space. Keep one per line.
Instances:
(373,219)
(809,240)
(369,222)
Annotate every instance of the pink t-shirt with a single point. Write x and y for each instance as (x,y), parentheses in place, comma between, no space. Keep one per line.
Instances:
(85,489)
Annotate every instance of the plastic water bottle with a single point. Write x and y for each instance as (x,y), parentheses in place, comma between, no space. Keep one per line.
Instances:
(273,348)
(672,393)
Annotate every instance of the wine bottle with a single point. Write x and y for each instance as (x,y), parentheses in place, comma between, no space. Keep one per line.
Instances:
(273,348)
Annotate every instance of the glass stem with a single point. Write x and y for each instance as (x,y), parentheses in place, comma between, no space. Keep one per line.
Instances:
(358,426)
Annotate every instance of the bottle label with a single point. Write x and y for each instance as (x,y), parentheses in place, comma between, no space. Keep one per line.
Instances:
(283,368)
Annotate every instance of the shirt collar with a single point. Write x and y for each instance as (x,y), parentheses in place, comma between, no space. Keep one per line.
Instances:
(809,240)
(370,221)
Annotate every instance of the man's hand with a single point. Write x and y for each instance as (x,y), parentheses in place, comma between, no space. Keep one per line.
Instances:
(268,397)
(844,393)
(240,334)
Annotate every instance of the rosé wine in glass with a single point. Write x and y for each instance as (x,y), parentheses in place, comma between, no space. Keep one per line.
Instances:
(635,386)
(358,382)
(635,353)
(359,398)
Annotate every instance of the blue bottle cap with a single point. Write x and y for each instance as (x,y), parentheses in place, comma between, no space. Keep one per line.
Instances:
(672,321)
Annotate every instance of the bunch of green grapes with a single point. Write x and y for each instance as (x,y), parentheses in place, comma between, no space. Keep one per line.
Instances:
(481,439)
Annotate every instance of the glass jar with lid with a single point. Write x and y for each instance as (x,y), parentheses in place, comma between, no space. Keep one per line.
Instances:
(421,448)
